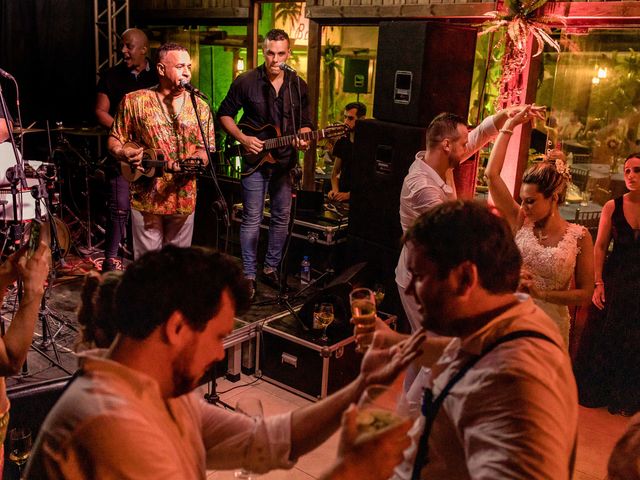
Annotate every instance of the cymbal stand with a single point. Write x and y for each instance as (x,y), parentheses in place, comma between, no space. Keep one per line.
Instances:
(86,226)
(48,339)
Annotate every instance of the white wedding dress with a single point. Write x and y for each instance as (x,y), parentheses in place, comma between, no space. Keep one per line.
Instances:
(552,268)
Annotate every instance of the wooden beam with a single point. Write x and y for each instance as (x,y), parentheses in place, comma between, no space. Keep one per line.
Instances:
(314,57)
(252,35)
(406,11)
(191,15)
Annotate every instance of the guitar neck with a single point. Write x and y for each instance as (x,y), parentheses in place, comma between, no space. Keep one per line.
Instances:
(287,140)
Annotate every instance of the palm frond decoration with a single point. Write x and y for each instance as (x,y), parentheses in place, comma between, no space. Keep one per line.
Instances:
(519,22)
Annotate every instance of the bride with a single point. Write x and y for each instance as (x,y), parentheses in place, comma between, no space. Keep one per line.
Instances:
(553,250)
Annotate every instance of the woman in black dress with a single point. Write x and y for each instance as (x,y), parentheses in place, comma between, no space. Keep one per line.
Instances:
(607,366)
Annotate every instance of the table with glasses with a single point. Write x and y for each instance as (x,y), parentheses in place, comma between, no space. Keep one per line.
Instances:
(568,210)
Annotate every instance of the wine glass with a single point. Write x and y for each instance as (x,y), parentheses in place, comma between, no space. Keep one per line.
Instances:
(251,407)
(19,446)
(324,317)
(363,311)
(378,293)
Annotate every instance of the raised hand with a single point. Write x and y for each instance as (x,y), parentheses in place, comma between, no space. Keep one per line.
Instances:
(35,270)
(383,365)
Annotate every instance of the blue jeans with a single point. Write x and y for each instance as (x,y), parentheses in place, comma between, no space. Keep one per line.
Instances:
(118,216)
(254,189)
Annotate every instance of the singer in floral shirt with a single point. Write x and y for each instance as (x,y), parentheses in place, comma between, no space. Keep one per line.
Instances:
(163,118)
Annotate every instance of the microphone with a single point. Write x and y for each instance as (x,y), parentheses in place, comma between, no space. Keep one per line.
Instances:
(190,88)
(5,74)
(283,66)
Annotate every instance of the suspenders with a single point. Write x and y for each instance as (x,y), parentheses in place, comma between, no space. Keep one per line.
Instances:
(431,405)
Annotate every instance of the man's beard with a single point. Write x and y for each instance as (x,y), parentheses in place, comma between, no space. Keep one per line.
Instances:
(183,380)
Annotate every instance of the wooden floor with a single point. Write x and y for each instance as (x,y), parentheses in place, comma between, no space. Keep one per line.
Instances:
(598,431)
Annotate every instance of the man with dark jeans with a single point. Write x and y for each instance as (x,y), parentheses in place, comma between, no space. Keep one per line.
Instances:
(268,95)
(133,73)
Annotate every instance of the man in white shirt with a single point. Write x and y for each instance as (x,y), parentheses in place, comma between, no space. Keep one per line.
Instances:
(514,413)
(132,412)
(430,178)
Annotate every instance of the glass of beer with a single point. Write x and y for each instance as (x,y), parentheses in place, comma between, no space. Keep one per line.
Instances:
(363,311)
(377,409)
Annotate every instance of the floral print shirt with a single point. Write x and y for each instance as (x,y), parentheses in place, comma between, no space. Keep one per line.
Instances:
(142,119)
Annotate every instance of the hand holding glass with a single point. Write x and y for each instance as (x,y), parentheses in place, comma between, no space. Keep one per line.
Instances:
(378,409)
(251,407)
(363,311)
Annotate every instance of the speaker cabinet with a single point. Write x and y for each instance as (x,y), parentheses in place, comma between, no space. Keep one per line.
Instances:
(356,75)
(423,68)
(384,153)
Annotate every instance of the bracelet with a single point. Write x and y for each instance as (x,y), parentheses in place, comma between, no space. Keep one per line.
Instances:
(506,130)
(600,282)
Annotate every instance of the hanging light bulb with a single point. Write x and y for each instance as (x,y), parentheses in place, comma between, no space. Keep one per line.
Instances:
(602,72)
(240,64)
(595,80)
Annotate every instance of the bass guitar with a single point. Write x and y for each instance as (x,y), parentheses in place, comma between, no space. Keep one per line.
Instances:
(154,164)
(272,139)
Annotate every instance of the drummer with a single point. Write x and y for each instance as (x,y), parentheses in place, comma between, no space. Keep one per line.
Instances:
(135,72)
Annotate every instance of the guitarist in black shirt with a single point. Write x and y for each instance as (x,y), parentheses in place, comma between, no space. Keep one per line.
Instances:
(275,103)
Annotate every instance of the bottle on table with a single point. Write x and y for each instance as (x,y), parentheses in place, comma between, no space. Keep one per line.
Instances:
(305,271)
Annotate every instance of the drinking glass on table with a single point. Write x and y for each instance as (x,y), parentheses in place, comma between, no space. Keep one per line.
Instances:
(323,318)
(378,293)
(378,409)
(19,446)
(363,311)
(251,407)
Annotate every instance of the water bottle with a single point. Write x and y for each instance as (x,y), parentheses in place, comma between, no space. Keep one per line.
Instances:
(305,271)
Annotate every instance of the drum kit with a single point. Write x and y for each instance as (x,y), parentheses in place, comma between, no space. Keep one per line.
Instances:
(63,180)
(48,190)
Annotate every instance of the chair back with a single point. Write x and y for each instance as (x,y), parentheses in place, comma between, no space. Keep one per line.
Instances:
(589,220)
(579,177)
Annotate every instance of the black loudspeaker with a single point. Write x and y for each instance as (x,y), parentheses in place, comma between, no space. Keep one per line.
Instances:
(356,75)
(423,68)
(384,153)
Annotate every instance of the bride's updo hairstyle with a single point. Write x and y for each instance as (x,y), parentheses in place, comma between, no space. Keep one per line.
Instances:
(551,176)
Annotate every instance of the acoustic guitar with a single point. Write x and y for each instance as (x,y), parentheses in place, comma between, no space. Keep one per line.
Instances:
(154,164)
(272,139)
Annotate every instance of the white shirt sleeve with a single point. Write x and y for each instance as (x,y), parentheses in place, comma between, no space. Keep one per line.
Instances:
(232,440)
(480,136)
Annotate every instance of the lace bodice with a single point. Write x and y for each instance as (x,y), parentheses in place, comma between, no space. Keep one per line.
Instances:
(551,267)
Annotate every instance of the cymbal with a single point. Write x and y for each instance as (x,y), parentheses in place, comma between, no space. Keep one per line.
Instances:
(88,131)
(18,130)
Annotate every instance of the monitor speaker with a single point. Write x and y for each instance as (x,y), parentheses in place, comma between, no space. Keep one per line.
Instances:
(434,75)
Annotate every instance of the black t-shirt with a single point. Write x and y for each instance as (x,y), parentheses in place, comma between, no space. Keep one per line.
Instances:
(116,82)
(343,149)
(253,93)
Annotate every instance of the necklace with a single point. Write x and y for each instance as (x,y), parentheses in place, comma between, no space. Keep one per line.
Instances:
(537,231)
(171,117)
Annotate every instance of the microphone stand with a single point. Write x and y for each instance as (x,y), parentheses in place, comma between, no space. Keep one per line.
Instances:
(220,206)
(14,175)
(283,297)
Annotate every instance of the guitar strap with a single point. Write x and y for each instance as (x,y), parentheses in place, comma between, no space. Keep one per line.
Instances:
(431,405)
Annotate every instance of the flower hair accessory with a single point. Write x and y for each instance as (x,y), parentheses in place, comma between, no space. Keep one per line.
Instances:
(562,168)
